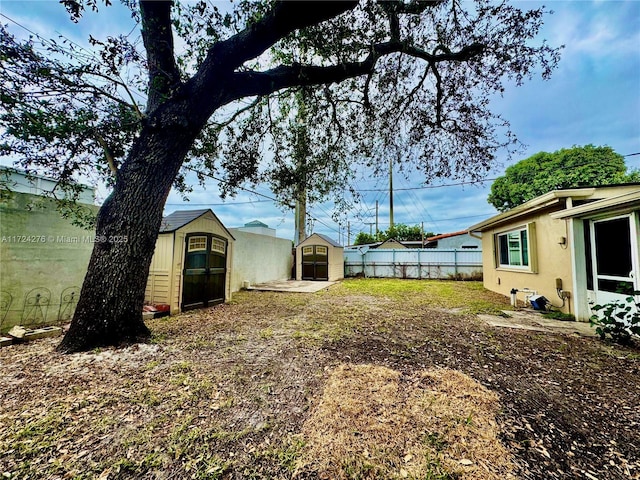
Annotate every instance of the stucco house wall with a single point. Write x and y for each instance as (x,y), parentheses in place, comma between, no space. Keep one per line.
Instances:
(549,260)
(259,258)
(566,258)
(43,254)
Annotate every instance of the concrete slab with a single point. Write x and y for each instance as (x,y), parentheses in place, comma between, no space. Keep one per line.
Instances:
(43,333)
(297,286)
(532,320)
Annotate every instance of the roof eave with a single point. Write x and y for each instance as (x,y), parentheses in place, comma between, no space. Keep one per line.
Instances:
(528,208)
(627,201)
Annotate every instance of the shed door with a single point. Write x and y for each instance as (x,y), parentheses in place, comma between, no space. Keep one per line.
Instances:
(614,258)
(205,271)
(315,262)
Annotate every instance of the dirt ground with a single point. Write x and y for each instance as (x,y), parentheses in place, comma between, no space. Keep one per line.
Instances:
(225,392)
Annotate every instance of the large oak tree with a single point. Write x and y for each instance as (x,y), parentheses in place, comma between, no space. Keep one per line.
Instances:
(412,79)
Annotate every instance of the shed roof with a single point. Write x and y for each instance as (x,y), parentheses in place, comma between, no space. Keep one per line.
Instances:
(331,242)
(180,218)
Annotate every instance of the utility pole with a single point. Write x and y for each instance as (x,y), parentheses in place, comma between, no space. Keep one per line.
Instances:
(371,224)
(376,219)
(422,233)
(348,233)
(390,192)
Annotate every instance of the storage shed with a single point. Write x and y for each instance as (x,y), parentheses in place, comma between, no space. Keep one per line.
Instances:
(319,258)
(191,266)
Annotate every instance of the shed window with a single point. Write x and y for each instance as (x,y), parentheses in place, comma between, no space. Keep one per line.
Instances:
(513,248)
(307,251)
(218,245)
(321,250)
(197,243)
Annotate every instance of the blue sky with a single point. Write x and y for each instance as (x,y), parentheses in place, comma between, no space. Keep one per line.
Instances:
(593,97)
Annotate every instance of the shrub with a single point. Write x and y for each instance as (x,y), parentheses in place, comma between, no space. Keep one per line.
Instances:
(620,320)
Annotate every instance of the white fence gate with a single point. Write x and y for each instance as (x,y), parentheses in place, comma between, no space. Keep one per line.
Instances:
(414,263)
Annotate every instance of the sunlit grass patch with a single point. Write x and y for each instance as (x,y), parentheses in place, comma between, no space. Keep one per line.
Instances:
(469,297)
(372,422)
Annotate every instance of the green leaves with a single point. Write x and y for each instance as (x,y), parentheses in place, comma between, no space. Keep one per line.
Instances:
(544,172)
(619,320)
(399,232)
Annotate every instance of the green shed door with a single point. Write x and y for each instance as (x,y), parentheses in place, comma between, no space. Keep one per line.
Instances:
(204,272)
(315,262)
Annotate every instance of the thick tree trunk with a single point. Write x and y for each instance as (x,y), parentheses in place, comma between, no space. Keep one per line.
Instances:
(109,311)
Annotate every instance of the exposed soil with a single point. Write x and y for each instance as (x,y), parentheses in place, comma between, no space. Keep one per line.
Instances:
(225,392)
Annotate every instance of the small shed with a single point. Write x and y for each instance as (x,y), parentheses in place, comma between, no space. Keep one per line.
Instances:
(191,265)
(319,258)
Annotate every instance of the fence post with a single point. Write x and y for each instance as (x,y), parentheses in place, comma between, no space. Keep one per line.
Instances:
(364,265)
(393,262)
(455,262)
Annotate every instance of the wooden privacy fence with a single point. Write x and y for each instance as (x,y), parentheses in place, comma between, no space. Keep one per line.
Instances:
(414,263)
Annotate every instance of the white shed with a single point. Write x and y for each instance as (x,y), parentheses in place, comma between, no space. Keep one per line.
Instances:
(319,258)
(191,265)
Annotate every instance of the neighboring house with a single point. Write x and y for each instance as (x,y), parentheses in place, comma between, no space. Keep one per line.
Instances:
(446,241)
(259,257)
(319,258)
(456,240)
(257,227)
(191,265)
(43,256)
(392,244)
(576,247)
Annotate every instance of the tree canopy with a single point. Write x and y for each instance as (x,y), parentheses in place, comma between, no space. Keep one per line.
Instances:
(216,91)
(399,231)
(565,168)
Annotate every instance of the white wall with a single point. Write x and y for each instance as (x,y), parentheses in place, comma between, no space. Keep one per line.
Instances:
(259,258)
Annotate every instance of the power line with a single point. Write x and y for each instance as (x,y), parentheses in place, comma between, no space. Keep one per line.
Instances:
(426,187)
(259,194)
(216,204)
(470,182)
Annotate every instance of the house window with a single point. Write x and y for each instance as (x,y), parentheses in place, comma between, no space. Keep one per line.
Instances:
(513,248)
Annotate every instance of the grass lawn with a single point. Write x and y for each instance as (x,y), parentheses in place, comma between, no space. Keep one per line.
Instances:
(368,379)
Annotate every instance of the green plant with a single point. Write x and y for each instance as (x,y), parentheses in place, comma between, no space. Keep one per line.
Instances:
(557,315)
(620,320)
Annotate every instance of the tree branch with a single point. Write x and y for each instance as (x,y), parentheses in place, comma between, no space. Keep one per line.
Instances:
(285,18)
(158,42)
(264,83)
(108,155)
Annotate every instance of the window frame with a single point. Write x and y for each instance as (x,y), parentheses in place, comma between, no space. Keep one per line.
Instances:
(197,243)
(525,253)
